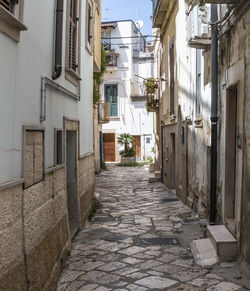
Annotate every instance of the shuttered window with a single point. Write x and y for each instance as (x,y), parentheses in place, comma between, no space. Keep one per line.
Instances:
(73,35)
(7,4)
(172,77)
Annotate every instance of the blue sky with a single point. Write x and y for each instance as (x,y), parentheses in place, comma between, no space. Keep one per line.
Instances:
(127,9)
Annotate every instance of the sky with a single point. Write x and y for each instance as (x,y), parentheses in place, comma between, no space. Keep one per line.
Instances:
(129,9)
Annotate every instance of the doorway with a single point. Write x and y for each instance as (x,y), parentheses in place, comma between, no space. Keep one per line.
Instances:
(172,160)
(73,209)
(230,157)
(109,147)
(137,146)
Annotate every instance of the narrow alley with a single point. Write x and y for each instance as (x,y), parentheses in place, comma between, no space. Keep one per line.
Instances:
(139,240)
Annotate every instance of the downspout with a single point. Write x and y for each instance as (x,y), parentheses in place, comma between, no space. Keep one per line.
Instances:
(57,69)
(214,117)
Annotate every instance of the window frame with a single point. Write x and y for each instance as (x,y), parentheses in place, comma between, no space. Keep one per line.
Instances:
(112,85)
(11,22)
(72,75)
(25,129)
(56,131)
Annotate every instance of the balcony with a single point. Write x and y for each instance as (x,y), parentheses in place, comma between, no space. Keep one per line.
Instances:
(104,112)
(160,8)
(137,93)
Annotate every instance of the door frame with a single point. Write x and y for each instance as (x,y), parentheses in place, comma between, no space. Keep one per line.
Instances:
(235,76)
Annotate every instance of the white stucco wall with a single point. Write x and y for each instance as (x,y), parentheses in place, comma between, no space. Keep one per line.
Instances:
(22,66)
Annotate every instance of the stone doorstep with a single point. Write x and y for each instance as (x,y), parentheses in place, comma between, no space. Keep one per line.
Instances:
(158,174)
(204,252)
(223,241)
(153,178)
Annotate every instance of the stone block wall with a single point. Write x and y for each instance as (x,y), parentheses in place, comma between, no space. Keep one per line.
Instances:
(34,234)
(86,184)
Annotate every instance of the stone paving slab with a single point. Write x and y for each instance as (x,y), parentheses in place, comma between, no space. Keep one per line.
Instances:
(138,241)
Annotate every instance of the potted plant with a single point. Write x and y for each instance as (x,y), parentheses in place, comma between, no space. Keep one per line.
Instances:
(151,85)
(128,154)
(152,104)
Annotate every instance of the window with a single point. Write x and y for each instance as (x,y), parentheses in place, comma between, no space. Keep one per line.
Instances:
(89,27)
(198,83)
(33,157)
(148,139)
(172,77)
(112,98)
(58,146)
(11,17)
(73,42)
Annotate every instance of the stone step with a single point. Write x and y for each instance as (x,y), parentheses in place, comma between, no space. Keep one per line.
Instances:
(204,252)
(158,174)
(223,241)
(153,179)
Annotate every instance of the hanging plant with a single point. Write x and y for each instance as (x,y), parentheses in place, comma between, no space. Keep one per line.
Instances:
(151,85)
(152,104)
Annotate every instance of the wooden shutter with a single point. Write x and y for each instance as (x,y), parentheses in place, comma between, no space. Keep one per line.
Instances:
(73,31)
(172,77)
(6,4)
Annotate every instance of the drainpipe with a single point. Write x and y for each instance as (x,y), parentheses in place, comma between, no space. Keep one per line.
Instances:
(214,117)
(57,70)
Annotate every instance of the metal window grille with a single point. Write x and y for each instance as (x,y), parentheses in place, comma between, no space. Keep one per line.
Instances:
(172,77)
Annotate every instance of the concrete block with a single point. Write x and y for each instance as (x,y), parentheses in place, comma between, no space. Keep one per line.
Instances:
(10,206)
(38,163)
(204,252)
(223,241)
(153,179)
(34,197)
(151,168)
(11,250)
(158,174)
(38,138)
(28,162)
(59,181)
(60,206)
(30,138)
(37,224)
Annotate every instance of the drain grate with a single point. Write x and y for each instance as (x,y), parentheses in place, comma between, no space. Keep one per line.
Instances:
(158,241)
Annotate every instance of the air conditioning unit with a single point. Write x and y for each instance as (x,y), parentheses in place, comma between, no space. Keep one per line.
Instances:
(198,33)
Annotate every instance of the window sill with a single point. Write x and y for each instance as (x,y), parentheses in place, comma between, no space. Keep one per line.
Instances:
(72,77)
(10,25)
(198,123)
(114,118)
(172,117)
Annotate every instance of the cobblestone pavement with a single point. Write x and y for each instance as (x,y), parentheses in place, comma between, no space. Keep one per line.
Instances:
(139,240)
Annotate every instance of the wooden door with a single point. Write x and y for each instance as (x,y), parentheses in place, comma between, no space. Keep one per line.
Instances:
(109,147)
(137,146)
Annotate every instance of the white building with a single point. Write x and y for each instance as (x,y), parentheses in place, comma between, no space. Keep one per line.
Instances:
(46,136)
(129,64)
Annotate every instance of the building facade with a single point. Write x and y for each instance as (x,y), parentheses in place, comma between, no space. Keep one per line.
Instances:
(46,145)
(184,58)
(129,64)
